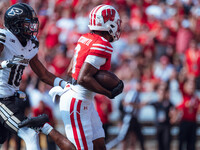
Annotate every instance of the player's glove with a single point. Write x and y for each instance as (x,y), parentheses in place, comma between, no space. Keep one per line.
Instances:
(39,124)
(14,61)
(34,122)
(7,64)
(117,90)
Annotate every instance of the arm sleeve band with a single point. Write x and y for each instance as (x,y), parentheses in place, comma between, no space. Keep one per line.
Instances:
(57,81)
(95,61)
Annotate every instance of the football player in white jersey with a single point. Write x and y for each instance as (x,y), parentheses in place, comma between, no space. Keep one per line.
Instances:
(18,48)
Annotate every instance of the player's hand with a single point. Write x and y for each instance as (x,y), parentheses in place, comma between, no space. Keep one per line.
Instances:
(14,61)
(34,122)
(7,64)
(117,90)
(39,124)
(17,59)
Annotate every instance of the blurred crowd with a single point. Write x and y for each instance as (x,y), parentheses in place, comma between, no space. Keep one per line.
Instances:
(159,46)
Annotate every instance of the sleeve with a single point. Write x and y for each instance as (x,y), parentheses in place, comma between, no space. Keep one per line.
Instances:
(2,36)
(101,49)
(95,61)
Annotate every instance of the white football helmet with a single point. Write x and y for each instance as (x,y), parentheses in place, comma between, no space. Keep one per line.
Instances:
(105,18)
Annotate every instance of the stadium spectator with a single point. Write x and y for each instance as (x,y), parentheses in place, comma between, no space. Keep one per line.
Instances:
(164,69)
(130,110)
(186,115)
(192,57)
(163,107)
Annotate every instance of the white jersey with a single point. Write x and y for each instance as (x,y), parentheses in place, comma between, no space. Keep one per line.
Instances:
(10,77)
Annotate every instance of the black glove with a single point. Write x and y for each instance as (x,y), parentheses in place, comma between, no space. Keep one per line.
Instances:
(34,122)
(117,90)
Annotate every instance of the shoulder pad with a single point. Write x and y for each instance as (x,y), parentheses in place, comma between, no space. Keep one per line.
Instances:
(2,36)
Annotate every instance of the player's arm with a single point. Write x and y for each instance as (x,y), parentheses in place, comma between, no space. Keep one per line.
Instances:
(87,80)
(1,49)
(62,142)
(6,63)
(44,74)
(69,69)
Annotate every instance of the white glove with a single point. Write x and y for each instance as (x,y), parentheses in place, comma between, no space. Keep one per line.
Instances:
(46,129)
(58,91)
(14,61)
(7,64)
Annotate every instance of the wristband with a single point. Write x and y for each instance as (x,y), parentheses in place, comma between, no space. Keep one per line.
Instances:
(46,129)
(57,81)
(4,64)
(63,84)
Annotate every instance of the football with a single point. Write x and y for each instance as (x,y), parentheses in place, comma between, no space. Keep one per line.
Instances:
(107,79)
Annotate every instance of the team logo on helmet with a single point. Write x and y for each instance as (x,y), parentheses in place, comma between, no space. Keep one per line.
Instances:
(15,11)
(108,14)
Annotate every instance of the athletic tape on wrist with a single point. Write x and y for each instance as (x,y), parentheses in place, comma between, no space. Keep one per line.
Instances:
(63,84)
(46,129)
(57,81)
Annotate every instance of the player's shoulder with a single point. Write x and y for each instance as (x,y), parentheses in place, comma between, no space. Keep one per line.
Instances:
(102,43)
(4,31)
(96,42)
(102,40)
(3,34)
(97,38)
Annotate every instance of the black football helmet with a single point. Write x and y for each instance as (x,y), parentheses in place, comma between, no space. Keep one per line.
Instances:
(22,21)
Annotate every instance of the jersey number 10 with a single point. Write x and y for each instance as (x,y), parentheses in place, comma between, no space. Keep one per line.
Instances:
(16,75)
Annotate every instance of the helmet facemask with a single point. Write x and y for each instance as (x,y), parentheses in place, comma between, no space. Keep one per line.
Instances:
(30,28)
(114,29)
